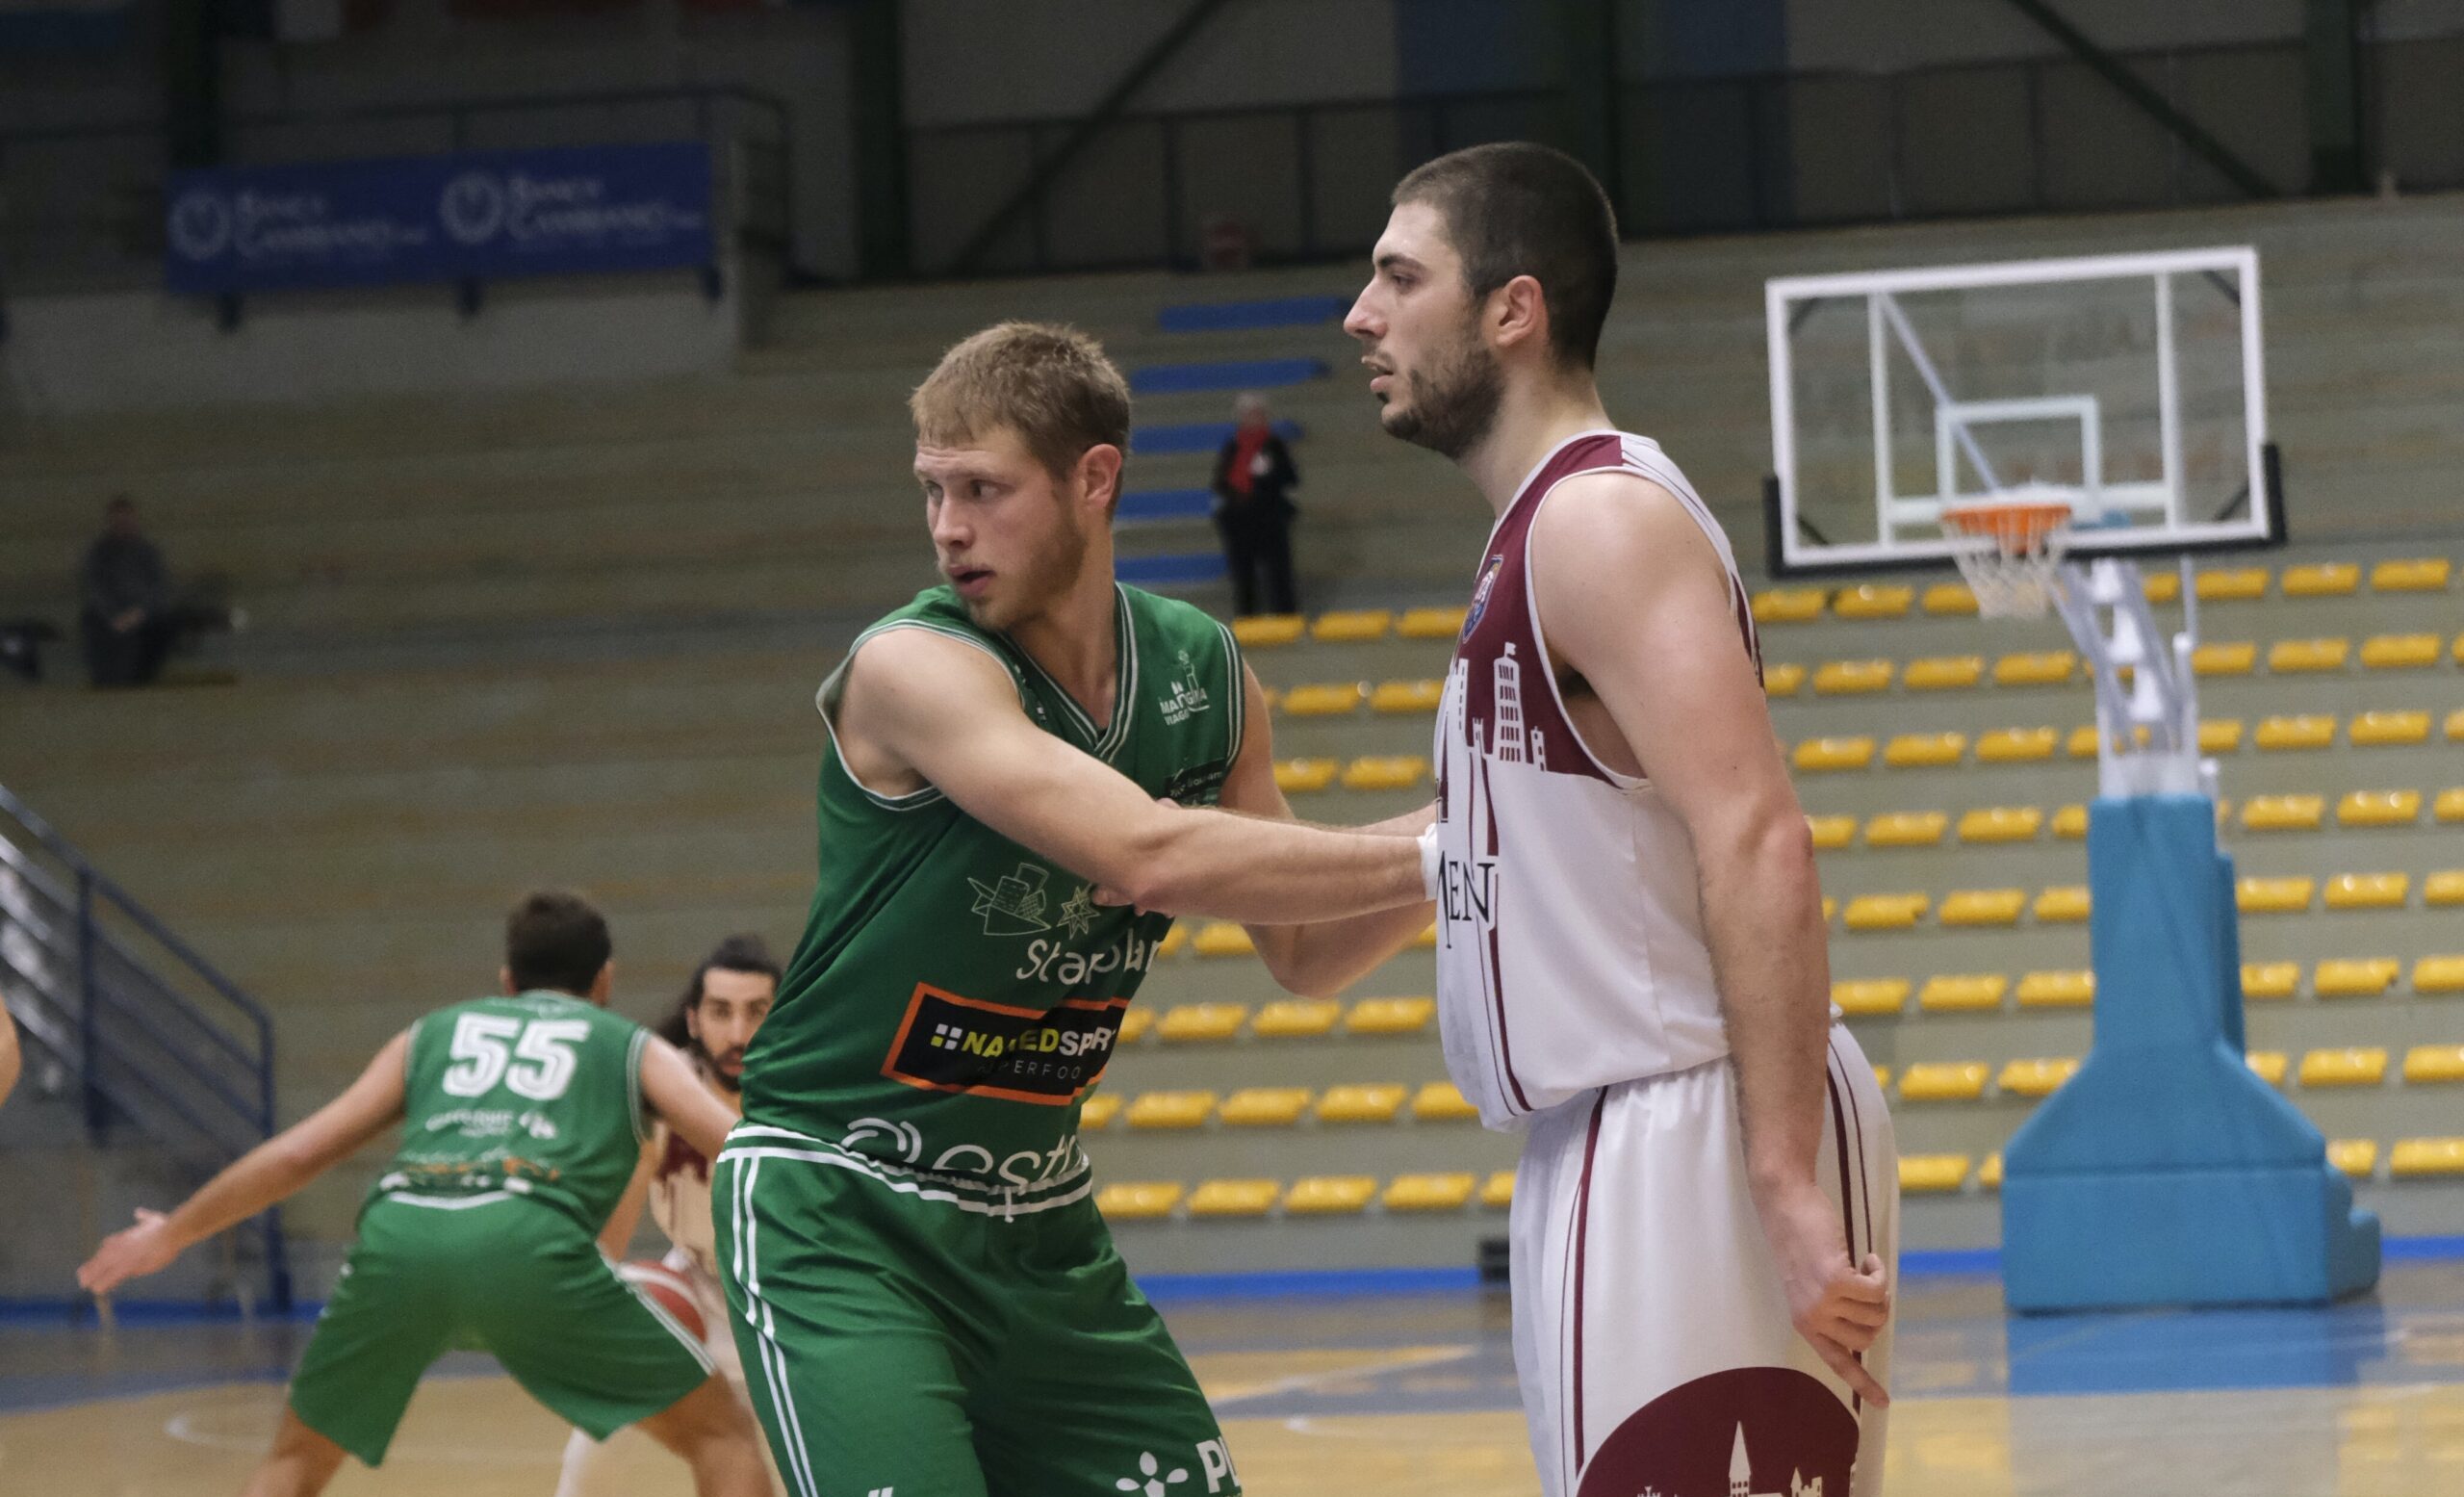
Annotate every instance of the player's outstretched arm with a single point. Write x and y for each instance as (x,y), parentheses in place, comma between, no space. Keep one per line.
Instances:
(268,1174)
(682,1100)
(1633,596)
(1321,959)
(616,1233)
(948,713)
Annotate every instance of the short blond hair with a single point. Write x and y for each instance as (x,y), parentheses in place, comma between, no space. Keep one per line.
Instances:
(1051,384)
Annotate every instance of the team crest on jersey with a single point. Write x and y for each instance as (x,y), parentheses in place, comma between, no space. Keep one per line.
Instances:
(1183,698)
(1480,595)
(1014,904)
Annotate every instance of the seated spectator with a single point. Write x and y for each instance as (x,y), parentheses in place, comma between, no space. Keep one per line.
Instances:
(129,615)
(1253,483)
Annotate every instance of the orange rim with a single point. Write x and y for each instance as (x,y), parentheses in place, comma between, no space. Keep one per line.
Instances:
(2018,525)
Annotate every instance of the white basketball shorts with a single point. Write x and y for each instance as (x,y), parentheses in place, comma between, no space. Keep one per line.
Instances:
(1651,1332)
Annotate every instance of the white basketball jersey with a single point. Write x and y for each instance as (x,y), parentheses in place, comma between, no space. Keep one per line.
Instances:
(681,1200)
(1571,952)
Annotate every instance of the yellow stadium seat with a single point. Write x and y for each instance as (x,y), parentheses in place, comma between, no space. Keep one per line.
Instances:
(2321,580)
(1385,772)
(2455,718)
(2449,805)
(1136,1200)
(1882,1078)
(1984,907)
(2057,990)
(1907,829)
(1222,937)
(1989,1174)
(1819,753)
(2295,656)
(1944,673)
(1949,598)
(1427,940)
(2001,824)
(1233,1198)
(1924,1175)
(1943,1081)
(2070,824)
(1202,1022)
(2438,975)
(2355,977)
(2283,812)
(1265,1106)
(1406,696)
(2422,575)
(1923,750)
(1497,1192)
(2415,1158)
(1442,1102)
(2270,979)
(1852,677)
(1323,699)
(1136,1023)
(2444,888)
(2082,742)
(2229,658)
(1887,911)
(1788,606)
(1170,1109)
(2222,736)
(1965,994)
(1304,776)
(1829,908)
(2379,808)
(1870,997)
(2368,891)
(2015,746)
(2361,1064)
(2164,586)
(1265,631)
(2234,585)
(1782,680)
(1429,623)
(2357,1157)
(1389,1015)
(2399,651)
(1296,1018)
(1351,625)
(2310,732)
(2269,1066)
(1176,942)
(1873,600)
(1372,1101)
(2040,668)
(1098,1112)
(2425,1064)
(2035,1077)
(2378,729)
(2061,904)
(2274,895)
(1831,833)
(1429,1192)
(1329,1195)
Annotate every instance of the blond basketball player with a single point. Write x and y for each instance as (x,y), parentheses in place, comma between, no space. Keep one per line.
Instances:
(1631,960)
(724,1004)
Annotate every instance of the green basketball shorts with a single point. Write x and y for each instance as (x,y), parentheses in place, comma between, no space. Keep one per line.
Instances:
(902,1339)
(495,1273)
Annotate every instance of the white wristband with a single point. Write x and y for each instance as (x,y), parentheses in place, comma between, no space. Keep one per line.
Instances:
(1431,861)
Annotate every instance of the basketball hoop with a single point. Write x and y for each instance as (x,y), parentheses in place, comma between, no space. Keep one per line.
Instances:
(2008,550)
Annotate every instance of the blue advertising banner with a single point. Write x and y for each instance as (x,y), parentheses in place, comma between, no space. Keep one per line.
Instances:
(474,215)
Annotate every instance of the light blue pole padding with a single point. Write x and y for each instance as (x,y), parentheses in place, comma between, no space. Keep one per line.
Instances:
(2166,1171)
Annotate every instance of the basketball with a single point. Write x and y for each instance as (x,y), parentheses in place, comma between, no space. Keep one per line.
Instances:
(666,1288)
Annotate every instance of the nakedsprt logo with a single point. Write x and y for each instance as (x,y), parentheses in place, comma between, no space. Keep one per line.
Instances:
(1480,595)
(953,1043)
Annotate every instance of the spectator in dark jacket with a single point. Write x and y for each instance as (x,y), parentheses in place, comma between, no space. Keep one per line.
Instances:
(1253,483)
(126,598)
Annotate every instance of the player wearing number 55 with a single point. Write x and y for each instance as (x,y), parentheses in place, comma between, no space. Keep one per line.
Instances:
(523,1117)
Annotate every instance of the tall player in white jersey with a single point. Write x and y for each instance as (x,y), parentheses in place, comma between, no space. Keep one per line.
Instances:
(1631,954)
(725,1003)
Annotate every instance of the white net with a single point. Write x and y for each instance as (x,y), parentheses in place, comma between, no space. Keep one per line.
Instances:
(2009,550)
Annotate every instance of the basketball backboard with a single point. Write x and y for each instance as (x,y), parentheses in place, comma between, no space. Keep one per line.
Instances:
(2132,387)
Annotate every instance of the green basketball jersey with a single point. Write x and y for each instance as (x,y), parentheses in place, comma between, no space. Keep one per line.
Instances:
(955,996)
(538,1096)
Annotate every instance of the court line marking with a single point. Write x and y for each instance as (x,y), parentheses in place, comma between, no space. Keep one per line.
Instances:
(183,1426)
(1299,1381)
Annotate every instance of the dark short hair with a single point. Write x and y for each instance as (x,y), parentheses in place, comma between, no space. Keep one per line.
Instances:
(1519,209)
(554,940)
(742,952)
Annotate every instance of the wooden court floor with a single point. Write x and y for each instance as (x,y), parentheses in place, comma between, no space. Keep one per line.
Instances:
(1415,1395)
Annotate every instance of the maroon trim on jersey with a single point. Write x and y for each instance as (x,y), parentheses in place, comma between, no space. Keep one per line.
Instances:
(679,1157)
(1583,1228)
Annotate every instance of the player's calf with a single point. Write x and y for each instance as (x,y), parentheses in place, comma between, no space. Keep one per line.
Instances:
(710,1429)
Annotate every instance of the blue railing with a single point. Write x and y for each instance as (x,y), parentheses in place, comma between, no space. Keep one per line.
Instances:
(156,1038)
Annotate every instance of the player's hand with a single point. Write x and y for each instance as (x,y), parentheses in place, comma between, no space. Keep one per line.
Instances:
(132,1253)
(1838,1307)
